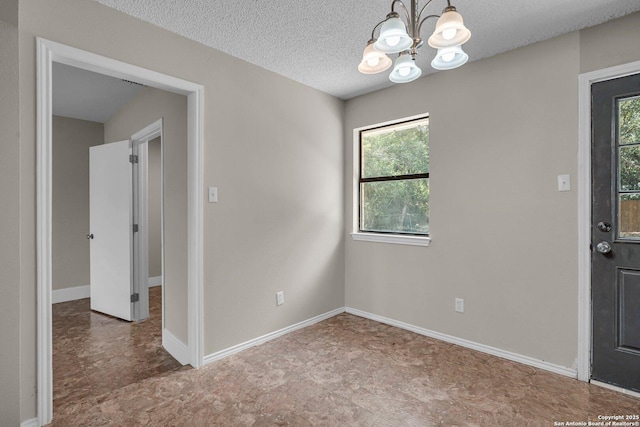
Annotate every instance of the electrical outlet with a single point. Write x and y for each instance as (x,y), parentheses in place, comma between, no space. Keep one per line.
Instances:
(459,305)
(280,298)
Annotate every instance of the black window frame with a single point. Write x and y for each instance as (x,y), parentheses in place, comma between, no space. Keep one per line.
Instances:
(407,177)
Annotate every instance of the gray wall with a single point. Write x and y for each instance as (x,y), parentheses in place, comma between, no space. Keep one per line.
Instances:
(273,147)
(71,139)
(154,203)
(610,44)
(146,107)
(504,238)
(9,217)
(275,150)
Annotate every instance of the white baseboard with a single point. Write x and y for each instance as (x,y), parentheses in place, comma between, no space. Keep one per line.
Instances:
(175,347)
(70,294)
(155,281)
(615,388)
(526,360)
(33,422)
(270,336)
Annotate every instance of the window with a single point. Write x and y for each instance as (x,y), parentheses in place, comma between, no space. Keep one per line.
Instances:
(393,182)
(629,168)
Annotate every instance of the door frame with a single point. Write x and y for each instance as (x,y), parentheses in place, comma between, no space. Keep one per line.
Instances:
(47,53)
(585,81)
(140,146)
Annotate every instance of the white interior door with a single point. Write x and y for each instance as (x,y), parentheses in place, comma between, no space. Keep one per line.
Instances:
(110,200)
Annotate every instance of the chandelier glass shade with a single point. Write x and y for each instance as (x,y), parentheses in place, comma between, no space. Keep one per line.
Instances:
(449,58)
(450,31)
(393,36)
(396,35)
(373,61)
(405,69)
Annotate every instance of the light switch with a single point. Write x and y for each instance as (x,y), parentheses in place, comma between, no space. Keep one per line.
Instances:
(213,194)
(564,183)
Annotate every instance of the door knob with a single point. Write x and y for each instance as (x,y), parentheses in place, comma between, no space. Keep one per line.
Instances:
(603,247)
(89,236)
(604,226)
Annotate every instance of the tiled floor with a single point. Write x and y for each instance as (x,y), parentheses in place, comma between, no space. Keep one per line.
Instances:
(95,354)
(345,371)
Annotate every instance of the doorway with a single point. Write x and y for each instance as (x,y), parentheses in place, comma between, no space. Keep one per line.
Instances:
(95,352)
(47,53)
(615,241)
(588,226)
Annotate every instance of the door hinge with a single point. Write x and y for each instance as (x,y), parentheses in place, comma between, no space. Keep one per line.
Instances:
(135,297)
(135,228)
(133,158)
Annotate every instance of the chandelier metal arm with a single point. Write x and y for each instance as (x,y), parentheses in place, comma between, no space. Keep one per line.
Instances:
(406,11)
(414,20)
(425,18)
(373,36)
(424,7)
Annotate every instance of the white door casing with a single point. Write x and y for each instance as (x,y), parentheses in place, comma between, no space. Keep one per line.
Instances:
(110,219)
(585,81)
(47,53)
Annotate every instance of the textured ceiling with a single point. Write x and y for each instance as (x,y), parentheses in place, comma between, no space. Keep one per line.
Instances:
(85,95)
(320,43)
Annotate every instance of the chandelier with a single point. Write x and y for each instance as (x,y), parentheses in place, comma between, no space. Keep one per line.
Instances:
(403,38)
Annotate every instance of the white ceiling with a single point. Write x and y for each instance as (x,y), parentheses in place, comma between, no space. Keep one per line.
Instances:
(320,43)
(85,95)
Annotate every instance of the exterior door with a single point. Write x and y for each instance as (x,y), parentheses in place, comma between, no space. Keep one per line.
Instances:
(110,202)
(615,259)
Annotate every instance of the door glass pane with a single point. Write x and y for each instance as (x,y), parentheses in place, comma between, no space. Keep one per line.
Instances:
(629,168)
(395,206)
(629,221)
(629,121)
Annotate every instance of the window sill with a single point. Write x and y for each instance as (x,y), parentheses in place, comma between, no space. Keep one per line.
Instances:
(392,238)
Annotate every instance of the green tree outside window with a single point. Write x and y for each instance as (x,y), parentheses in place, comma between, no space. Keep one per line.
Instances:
(394,178)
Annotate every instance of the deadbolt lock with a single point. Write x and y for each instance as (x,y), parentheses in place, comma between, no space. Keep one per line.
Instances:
(604,226)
